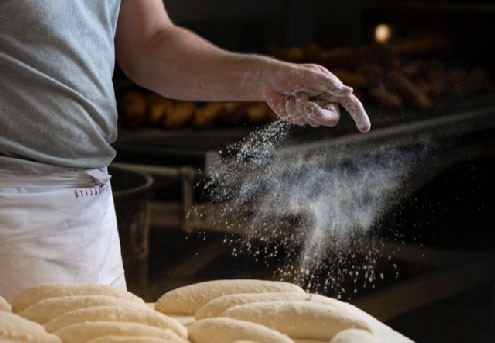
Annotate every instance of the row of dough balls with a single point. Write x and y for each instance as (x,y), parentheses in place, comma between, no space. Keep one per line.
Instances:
(85,313)
(223,311)
(226,311)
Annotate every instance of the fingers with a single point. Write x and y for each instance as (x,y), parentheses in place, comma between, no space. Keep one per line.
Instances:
(276,102)
(318,114)
(354,107)
(284,108)
(304,108)
(357,112)
(312,95)
(318,80)
(324,111)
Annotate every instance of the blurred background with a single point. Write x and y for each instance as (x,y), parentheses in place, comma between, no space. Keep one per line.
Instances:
(425,262)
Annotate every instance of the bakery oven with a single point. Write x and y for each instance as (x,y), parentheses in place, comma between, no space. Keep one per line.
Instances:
(416,192)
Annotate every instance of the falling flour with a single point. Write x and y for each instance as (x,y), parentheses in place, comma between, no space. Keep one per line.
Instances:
(324,201)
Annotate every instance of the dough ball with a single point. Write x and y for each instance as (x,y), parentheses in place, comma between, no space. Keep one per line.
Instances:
(227,330)
(118,314)
(34,294)
(300,319)
(188,299)
(17,329)
(47,309)
(86,331)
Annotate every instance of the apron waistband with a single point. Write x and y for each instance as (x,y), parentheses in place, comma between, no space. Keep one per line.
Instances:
(69,179)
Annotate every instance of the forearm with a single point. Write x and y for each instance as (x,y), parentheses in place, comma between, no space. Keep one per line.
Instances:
(178,64)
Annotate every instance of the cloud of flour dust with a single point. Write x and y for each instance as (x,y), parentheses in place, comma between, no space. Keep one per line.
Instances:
(326,200)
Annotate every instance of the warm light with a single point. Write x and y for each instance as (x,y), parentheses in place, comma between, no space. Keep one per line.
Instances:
(383,32)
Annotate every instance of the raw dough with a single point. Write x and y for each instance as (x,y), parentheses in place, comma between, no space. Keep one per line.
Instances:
(354,336)
(130,339)
(115,313)
(300,319)
(54,290)
(47,309)
(4,305)
(227,330)
(18,329)
(188,299)
(86,331)
(220,304)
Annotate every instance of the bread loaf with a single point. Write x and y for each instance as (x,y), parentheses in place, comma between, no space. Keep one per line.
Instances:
(158,105)
(34,294)
(227,330)
(118,314)
(187,300)
(220,304)
(300,319)
(48,309)
(86,331)
(179,114)
(17,329)
(133,108)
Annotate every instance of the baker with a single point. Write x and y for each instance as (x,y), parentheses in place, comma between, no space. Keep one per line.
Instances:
(58,119)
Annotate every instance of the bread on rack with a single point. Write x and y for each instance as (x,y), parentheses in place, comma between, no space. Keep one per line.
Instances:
(179,114)
(133,108)
(158,106)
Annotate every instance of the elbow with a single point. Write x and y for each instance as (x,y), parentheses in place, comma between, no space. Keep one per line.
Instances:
(131,65)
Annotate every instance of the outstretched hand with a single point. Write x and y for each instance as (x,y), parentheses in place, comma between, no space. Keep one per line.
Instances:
(311,94)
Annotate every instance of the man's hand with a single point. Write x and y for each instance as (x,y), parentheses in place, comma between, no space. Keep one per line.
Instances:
(310,94)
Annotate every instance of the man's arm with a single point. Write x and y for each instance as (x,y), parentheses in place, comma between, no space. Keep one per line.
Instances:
(177,63)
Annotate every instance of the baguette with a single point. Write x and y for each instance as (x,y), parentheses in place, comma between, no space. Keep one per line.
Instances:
(227,330)
(300,319)
(187,300)
(117,314)
(37,293)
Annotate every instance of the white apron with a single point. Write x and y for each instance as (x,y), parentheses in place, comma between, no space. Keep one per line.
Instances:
(58,228)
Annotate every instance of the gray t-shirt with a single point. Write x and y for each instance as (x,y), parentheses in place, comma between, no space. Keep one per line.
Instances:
(57,103)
